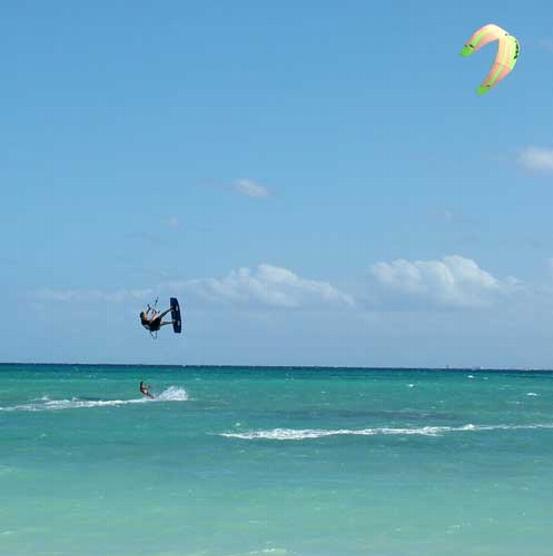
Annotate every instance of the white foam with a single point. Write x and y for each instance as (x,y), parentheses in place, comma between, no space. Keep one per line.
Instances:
(307,434)
(274,551)
(532,394)
(171,394)
(73,403)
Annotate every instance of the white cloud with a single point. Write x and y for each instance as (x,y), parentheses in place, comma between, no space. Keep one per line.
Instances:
(251,189)
(453,281)
(267,285)
(92,295)
(537,159)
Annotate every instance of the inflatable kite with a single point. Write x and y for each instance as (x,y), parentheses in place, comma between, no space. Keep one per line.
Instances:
(508,50)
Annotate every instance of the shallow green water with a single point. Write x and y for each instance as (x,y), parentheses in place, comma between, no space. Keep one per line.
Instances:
(230,462)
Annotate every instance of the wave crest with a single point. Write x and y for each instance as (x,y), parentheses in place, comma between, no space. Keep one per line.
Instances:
(309,434)
(171,394)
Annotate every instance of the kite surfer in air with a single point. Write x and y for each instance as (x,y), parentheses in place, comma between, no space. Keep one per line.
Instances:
(145,389)
(152,320)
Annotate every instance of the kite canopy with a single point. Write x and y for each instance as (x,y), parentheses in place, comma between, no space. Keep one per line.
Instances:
(508,50)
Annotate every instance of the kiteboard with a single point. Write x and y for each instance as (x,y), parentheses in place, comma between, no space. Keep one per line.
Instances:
(175,315)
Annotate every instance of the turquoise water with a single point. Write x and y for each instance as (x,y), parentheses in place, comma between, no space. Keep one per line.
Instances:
(310,462)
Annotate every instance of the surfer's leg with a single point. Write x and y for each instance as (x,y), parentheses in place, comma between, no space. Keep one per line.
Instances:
(165,312)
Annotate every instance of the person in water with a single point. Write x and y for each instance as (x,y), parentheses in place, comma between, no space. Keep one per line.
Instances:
(152,321)
(145,389)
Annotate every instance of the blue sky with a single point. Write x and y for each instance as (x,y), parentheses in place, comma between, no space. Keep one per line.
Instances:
(319,184)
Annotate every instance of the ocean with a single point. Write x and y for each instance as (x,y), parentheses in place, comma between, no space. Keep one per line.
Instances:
(230,461)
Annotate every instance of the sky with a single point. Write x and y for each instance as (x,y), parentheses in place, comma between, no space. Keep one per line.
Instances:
(318,183)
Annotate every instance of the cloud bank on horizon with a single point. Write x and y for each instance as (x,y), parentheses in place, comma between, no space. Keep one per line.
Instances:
(452,282)
(418,300)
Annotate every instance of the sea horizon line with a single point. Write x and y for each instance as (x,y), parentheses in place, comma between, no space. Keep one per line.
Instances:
(446,368)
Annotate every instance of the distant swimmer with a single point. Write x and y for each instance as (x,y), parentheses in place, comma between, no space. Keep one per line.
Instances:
(145,389)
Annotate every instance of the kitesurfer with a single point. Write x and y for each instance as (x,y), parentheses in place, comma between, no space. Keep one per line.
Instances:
(145,389)
(152,320)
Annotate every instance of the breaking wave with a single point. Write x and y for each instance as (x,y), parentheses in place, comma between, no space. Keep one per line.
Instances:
(308,434)
(171,394)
